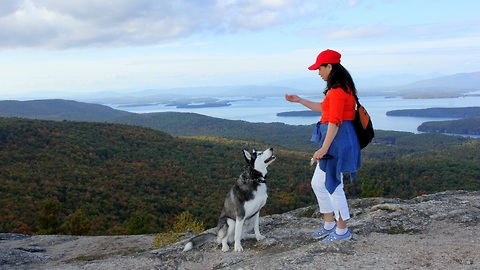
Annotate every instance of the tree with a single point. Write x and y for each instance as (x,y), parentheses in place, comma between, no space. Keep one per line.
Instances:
(78,223)
(370,188)
(139,223)
(49,218)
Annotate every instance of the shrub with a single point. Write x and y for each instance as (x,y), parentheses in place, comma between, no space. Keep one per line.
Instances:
(183,223)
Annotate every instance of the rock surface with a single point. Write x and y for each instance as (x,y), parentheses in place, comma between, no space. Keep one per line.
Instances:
(437,231)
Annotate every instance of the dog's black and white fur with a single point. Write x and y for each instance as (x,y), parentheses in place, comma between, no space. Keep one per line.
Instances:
(241,211)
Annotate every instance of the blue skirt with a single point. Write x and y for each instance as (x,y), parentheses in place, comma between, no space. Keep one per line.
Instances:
(345,150)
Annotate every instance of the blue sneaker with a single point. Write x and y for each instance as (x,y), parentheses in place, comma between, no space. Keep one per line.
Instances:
(323,232)
(335,237)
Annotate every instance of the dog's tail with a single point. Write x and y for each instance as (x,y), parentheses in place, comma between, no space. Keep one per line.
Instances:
(199,240)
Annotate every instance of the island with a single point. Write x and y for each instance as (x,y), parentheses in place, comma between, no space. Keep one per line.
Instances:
(299,114)
(220,103)
(470,126)
(463,112)
(467,122)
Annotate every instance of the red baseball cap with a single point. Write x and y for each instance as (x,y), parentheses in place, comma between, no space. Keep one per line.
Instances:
(326,57)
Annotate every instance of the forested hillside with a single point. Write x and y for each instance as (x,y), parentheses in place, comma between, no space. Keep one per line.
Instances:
(463,126)
(296,138)
(125,179)
(58,109)
(116,179)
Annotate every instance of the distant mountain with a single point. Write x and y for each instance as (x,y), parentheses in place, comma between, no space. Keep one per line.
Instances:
(387,85)
(397,85)
(315,83)
(400,85)
(381,81)
(460,81)
(406,85)
(260,91)
(58,109)
(445,86)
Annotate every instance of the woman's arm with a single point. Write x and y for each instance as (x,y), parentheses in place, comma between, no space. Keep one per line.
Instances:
(314,106)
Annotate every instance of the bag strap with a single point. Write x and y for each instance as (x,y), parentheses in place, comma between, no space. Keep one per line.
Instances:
(356,99)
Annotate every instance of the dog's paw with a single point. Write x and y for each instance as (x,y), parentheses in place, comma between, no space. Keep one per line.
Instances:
(225,248)
(260,237)
(238,248)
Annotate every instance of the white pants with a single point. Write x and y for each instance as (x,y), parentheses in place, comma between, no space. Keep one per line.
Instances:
(328,203)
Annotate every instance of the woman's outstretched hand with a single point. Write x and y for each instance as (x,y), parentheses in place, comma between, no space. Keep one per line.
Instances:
(292,98)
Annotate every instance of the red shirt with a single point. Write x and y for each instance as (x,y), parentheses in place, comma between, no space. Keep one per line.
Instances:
(337,107)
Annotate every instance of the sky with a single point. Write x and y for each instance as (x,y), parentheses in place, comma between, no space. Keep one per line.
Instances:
(90,46)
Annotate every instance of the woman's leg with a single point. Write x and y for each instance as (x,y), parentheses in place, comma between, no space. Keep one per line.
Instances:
(324,203)
(341,213)
(323,197)
(340,206)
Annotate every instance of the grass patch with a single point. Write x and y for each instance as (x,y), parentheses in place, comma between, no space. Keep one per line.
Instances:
(400,230)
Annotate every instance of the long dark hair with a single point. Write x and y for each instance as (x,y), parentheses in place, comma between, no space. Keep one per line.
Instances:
(340,77)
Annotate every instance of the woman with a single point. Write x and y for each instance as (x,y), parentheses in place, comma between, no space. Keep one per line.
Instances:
(339,148)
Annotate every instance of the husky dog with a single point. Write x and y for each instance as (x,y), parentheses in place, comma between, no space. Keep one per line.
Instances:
(241,211)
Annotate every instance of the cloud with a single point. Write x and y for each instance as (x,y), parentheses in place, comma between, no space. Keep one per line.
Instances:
(7,7)
(357,32)
(96,23)
(393,34)
(259,14)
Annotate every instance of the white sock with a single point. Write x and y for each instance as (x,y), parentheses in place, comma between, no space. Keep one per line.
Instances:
(341,231)
(329,225)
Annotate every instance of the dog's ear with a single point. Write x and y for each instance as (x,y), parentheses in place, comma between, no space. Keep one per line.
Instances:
(247,155)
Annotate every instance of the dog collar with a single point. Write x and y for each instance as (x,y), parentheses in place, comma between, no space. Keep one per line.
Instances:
(256,175)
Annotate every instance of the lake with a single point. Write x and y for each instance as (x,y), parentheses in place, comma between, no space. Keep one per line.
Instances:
(265,110)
